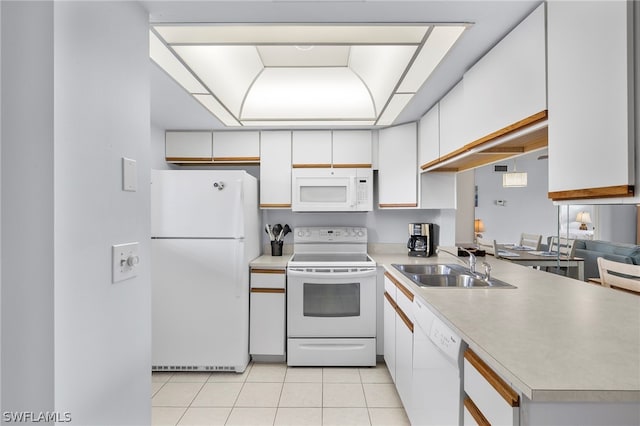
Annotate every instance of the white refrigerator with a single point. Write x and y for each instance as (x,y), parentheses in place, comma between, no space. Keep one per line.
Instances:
(205,231)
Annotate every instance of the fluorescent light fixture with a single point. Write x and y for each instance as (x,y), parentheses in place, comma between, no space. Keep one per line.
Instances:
(302,74)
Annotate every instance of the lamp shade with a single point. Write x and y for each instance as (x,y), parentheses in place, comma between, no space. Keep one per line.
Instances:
(583,217)
(478,225)
(514,179)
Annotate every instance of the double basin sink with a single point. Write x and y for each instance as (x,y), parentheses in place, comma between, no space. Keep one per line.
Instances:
(445,275)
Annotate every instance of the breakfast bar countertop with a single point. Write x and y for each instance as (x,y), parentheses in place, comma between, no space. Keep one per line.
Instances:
(554,338)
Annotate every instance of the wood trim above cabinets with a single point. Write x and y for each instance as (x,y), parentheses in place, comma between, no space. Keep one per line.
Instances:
(236,159)
(267,271)
(590,193)
(473,154)
(268,290)
(187,159)
(275,206)
(505,391)
(311,166)
(353,166)
(384,206)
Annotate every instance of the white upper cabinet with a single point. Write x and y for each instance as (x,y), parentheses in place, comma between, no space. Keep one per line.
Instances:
(590,77)
(188,146)
(275,169)
(397,177)
(338,148)
(453,121)
(312,148)
(429,136)
(352,148)
(236,146)
(508,85)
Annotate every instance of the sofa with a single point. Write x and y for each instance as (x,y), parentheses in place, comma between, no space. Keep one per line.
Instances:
(591,250)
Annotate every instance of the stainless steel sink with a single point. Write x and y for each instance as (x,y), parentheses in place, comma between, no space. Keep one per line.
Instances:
(445,275)
(437,269)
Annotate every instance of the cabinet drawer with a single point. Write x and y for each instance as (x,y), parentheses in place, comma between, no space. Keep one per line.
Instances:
(403,296)
(493,397)
(268,278)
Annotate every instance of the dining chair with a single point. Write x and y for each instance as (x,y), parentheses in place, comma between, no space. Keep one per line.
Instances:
(564,246)
(487,245)
(622,276)
(531,241)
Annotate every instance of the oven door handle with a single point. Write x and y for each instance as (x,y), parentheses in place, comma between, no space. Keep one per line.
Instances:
(330,273)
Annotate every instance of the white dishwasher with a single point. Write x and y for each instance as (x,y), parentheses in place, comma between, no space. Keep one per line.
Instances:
(437,365)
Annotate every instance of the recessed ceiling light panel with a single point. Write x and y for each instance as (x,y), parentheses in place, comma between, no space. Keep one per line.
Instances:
(303,74)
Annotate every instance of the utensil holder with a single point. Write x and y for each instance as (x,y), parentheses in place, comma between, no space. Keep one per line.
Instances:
(276,248)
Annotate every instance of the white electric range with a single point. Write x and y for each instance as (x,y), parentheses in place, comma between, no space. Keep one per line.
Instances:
(331,298)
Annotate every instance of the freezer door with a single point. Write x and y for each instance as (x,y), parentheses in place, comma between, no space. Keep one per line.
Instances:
(200,304)
(196,204)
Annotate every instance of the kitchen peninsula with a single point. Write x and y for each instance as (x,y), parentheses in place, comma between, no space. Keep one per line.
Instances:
(571,350)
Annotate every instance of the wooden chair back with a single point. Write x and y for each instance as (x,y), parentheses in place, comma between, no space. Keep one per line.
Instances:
(531,241)
(564,246)
(489,246)
(623,276)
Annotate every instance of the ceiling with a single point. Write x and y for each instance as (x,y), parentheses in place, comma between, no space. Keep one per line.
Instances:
(172,107)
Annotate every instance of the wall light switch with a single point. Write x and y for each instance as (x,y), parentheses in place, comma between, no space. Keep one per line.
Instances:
(125,261)
(129,175)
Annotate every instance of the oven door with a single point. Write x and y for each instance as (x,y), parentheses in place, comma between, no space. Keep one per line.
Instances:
(331,302)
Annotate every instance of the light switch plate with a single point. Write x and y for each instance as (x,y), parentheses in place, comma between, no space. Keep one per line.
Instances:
(129,175)
(125,261)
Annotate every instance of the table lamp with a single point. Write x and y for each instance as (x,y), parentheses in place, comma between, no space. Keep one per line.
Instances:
(478,227)
(583,218)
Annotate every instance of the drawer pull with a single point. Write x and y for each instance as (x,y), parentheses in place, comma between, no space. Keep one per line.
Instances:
(475,412)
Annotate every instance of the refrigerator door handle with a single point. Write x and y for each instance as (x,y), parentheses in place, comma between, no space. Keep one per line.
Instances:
(239,218)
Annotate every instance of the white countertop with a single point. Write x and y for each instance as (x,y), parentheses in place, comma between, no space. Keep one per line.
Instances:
(266,261)
(554,338)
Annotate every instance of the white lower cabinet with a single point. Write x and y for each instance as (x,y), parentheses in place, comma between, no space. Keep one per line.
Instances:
(398,337)
(489,399)
(267,332)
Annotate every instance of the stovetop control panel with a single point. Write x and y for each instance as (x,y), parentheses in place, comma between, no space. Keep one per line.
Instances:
(323,234)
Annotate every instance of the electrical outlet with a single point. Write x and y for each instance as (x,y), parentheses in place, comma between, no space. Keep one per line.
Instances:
(125,261)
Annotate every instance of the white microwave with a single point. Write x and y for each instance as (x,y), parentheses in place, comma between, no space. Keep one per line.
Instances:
(332,190)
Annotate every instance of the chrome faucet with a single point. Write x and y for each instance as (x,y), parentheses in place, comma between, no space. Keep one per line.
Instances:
(472,258)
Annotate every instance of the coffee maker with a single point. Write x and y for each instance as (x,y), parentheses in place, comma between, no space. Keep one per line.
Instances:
(420,239)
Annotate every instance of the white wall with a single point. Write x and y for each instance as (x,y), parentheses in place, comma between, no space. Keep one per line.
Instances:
(75,99)
(526,209)
(27,207)
(102,113)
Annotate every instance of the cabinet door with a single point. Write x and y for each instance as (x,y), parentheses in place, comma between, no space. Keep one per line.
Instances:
(236,146)
(438,190)
(267,331)
(275,169)
(452,122)
(397,177)
(429,136)
(188,146)
(404,357)
(267,322)
(508,84)
(590,81)
(352,148)
(390,334)
(312,148)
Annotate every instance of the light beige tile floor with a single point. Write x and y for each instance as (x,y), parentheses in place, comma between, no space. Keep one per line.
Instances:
(274,394)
